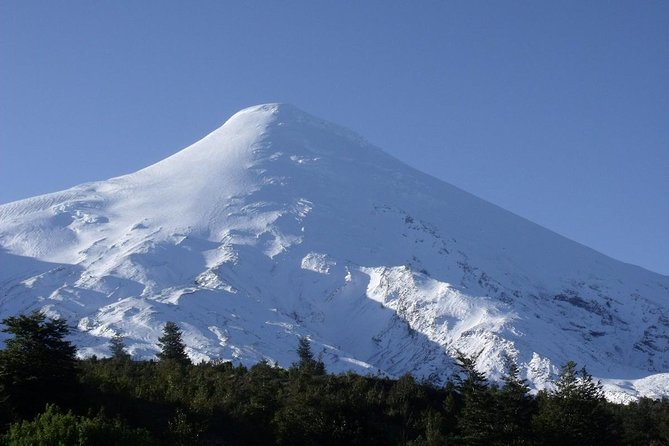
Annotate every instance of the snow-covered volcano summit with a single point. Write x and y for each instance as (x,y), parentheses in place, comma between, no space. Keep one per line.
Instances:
(279,224)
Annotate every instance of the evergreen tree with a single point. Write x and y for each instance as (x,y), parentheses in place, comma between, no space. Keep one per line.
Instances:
(307,362)
(645,421)
(434,429)
(515,407)
(38,364)
(304,351)
(172,347)
(117,348)
(406,399)
(566,385)
(476,421)
(575,412)
(218,403)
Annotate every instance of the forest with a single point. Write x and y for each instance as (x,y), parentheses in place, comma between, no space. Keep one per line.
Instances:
(49,397)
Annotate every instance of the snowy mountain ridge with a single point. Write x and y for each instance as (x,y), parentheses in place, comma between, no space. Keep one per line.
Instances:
(279,224)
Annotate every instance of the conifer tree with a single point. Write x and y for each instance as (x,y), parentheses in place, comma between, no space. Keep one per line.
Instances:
(38,364)
(171,344)
(304,351)
(117,347)
(515,406)
(307,362)
(575,412)
(405,401)
(476,421)
(566,385)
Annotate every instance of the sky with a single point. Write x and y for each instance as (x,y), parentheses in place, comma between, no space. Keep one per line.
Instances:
(556,111)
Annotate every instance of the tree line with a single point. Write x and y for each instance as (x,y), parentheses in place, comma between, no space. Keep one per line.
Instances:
(48,397)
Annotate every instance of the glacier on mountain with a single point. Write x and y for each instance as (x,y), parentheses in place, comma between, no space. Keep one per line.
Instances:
(279,225)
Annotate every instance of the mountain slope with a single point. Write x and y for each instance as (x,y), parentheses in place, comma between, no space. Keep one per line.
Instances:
(278,224)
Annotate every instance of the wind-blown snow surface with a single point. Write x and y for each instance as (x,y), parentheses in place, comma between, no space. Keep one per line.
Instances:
(278,225)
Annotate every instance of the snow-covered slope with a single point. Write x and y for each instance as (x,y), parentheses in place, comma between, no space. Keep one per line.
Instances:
(278,225)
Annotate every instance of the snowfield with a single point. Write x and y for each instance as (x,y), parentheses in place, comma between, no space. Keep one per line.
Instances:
(279,225)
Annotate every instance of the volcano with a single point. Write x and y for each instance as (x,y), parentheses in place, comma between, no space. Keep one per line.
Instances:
(279,225)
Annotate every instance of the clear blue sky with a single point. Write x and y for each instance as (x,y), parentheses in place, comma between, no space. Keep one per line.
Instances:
(557,111)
